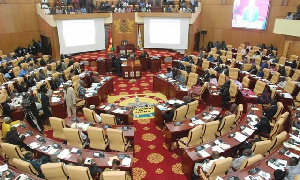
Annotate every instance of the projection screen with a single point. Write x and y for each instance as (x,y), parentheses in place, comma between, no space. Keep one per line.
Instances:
(169,33)
(81,35)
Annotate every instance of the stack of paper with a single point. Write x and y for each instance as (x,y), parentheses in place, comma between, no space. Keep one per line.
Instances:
(126,161)
(120,111)
(83,126)
(203,153)
(287,95)
(161,107)
(34,145)
(278,164)
(240,137)
(265,175)
(224,146)
(252,117)
(64,154)
(248,131)
(107,108)
(162,76)
(171,101)
(179,102)
(214,112)
(103,106)
(217,148)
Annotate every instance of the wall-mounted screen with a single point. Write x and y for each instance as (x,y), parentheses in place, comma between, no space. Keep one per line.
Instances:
(81,35)
(252,14)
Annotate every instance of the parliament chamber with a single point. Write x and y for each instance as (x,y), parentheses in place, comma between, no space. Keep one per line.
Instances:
(169,89)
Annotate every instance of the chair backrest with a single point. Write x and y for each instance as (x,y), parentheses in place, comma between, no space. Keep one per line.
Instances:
(16,71)
(229,55)
(239,56)
(266,73)
(11,151)
(79,173)
(89,115)
(223,52)
(185,75)
(108,119)
(205,64)
(58,124)
(275,77)
(116,139)
(245,82)
(277,140)
(219,168)
(226,123)
(293,57)
(75,78)
(24,166)
(297,177)
(73,137)
(222,79)
(195,59)
(273,93)
(194,136)
(233,73)
(194,68)
(282,60)
(67,61)
(11,87)
(247,67)
(251,160)
(223,58)
(209,131)
(232,64)
(54,171)
(114,175)
(233,89)
(279,110)
(259,87)
(2,78)
(284,116)
(277,128)
(290,87)
(261,147)
(97,138)
(180,113)
(229,47)
(240,110)
(193,78)
(296,75)
(288,70)
(192,106)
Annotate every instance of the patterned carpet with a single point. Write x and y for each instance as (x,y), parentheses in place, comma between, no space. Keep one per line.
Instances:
(152,160)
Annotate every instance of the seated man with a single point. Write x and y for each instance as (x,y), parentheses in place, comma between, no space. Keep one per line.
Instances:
(263,127)
(7,110)
(271,111)
(168,116)
(207,163)
(237,163)
(169,73)
(211,58)
(292,169)
(260,73)
(36,163)
(23,71)
(13,137)
(22,87)
(282,82)
(81,90)
(93,168)
(115,167)
(42,75)
(180,78)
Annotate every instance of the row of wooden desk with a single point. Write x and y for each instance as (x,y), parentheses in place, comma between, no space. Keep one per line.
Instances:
(59,109)
(86,153)
(190,155)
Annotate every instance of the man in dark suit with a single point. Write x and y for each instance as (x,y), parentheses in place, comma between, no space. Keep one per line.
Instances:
(13,137)
(7,110)
(168,116)
(263,127)
(271,111)
(217,67)
(119,66)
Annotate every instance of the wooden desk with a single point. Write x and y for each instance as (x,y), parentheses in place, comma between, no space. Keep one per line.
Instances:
(127,133)
(172,132)
(263,164)
(132,70)
(154,65)
(124,49)
(167,88)
(190,156)
(126,117)
(211,96)
(246,96)
(86,153)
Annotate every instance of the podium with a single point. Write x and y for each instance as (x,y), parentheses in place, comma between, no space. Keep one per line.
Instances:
(133,69)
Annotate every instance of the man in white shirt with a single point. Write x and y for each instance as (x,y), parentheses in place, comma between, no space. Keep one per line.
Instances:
(206,165)
(237,163)
(282,82)
(292,169)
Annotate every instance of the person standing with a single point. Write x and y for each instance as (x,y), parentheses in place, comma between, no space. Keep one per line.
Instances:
(69,96)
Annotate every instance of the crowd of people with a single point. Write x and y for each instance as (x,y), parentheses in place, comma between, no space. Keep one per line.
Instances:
(122,6)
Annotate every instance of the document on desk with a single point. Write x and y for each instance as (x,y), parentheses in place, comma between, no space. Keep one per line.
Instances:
(171,101)
(203,153)
(83,126)
(248,131)
(217,148)
(291,154)
(34,145)
(55,99)
(107,108)
(161,107)
(224,146)
(252,117)
(240,137)
(109,162)
(126,161)
(65,154)
(277,165)
(253,96)
(120,111)
(3,168)
(254,109)
(214,112)
(287,95)
(265,175)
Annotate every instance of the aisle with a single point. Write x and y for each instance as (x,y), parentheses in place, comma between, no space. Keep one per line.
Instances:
(151,159)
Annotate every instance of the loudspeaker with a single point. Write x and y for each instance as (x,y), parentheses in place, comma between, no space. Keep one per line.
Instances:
(203,32)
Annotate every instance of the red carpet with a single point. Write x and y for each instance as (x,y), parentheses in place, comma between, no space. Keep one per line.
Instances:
(151,159)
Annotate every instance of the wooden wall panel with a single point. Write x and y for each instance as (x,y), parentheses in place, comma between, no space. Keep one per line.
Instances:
(19,24)
(124,21)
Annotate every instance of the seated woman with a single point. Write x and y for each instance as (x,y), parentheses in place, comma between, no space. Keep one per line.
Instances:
(195,90)
(265,97)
